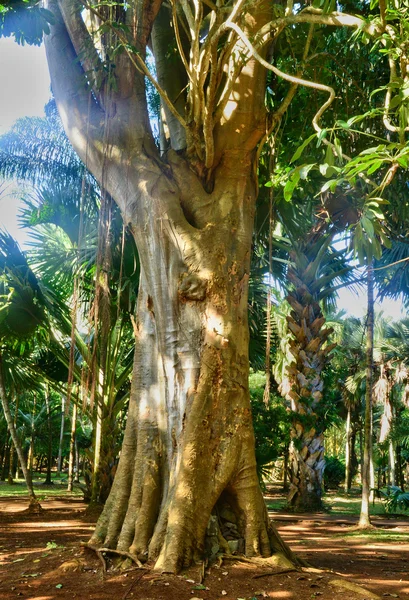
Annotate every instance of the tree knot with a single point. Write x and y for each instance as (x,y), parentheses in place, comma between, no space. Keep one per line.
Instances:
(192,287)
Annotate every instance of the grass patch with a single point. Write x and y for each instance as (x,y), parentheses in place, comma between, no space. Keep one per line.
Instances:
(351,505)
(277,504)
(376,535)
(58,488)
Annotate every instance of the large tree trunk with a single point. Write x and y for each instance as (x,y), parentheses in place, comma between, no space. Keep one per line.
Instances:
(189,443)
(188,448)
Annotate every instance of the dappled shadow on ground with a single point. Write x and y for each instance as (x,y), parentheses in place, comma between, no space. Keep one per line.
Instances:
(41,559)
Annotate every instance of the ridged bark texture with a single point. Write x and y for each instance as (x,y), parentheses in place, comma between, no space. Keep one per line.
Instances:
(310,352)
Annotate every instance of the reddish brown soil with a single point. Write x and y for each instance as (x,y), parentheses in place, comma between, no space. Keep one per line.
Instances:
(30,570)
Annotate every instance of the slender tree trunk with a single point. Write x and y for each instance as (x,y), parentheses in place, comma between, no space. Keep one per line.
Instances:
(6,461)
(400,477)
(285,475)
(371,456)
(10,479)
(77,462)
(95,479)
(348,438)
(48,480)
(392,462)
(72,447)
(364,518)
(59,460)
(32,437)
(34,504)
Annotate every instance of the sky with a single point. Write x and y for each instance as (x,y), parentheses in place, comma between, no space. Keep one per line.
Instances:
(25,90)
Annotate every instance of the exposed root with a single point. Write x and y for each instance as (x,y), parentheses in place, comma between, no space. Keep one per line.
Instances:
(269,573)
(34,507)
(99,552)
(363,528)
(353,587)
(131,557)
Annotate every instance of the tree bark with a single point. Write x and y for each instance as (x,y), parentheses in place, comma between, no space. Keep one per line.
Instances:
(364,518)
(189,442)
(34,505)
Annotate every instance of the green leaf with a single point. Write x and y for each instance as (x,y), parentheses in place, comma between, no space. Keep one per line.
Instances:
(330,185)
(375,166)
(305,169)
(403,161)
(367,226)
(291,185)
(58,586)
(322,135)
(396,101)
(301,148)
(329,156)
(338,148)
(343,124)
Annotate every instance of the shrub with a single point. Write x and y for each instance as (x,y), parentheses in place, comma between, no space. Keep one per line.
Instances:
(334,472)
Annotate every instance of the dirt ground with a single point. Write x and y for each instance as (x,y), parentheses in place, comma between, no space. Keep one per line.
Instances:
(41,559)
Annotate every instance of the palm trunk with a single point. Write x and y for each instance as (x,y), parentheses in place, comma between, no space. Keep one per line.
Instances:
(364,518)
(10,478)
(72,447)
(34,504)
(392,462)
(32,437)
(95,478)
(59,460)
(77,462)
(4,462)
(285,468)
(48,480)
(348,452)
(307,462)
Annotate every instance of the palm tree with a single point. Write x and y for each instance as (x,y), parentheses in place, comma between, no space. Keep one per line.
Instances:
(313,273)
(21,315)
(79,237)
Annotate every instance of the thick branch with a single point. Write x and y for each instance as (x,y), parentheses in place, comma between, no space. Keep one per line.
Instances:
(317,17)
(82,42)
(81,117)
(291,78)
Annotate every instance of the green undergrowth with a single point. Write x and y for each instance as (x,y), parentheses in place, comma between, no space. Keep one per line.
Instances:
(57,488)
